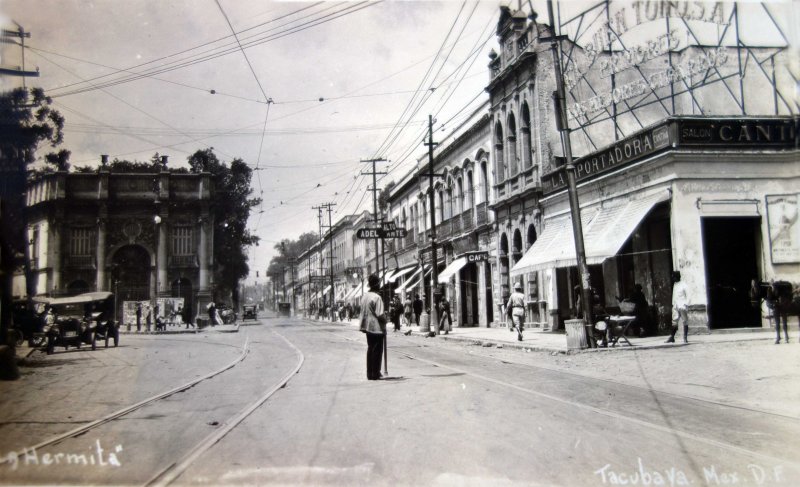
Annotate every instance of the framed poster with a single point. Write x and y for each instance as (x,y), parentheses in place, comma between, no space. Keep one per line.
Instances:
(784,230)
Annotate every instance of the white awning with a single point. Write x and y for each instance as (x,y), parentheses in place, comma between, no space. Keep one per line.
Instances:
(604,233)
(410,281)
(402,272)
(451,269)
(325,291)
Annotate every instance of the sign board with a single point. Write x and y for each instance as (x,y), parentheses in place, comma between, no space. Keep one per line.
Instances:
(784,237)
(387,230)
(476,256)
(367,233)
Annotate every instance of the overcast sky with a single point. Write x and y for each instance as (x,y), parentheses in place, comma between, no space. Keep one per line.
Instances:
(365,60)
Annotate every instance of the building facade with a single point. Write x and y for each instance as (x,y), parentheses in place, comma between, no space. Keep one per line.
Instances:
(140,236)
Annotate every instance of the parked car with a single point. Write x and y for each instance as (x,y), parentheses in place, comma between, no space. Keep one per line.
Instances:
(77,320)
(27,324)
(249,312)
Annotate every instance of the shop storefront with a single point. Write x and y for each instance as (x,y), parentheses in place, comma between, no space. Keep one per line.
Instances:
(713,198)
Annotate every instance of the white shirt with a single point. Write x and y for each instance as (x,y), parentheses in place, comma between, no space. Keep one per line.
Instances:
(680,295)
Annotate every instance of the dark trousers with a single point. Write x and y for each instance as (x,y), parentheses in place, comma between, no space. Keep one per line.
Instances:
(416,317)
(781,316)
(374,355)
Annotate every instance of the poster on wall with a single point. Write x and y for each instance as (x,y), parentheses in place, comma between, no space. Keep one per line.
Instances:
(784,231)
(129,312)
(170,309)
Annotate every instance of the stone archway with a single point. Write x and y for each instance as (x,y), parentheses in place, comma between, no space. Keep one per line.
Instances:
(130,274)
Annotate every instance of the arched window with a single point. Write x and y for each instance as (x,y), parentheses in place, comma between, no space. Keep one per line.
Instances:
(531,236)
(449,203)
(512,145)
(516,251)
(470,195)
(504,268)
(460,197)
(526,137)
(441,207)
(499,160)
(485,177)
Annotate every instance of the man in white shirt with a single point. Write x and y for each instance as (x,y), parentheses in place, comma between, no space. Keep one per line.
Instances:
(680,307)
(373,323)
(515,308)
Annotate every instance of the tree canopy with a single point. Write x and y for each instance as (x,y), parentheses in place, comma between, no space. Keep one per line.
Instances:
(231,210)
(287,249)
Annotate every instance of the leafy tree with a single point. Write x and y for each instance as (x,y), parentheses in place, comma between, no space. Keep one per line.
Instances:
(27,121)
(289,249)
(231,210)
(383,196)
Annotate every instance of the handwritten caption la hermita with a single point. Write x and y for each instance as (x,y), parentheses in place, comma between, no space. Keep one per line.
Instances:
(97,456)
(712,475)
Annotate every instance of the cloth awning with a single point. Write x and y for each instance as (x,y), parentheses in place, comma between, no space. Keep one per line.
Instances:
(451,269)
(410,281)
(325,291)
(605,231)
(402,272)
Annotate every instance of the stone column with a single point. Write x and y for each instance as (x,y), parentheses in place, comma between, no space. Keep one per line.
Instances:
(482,304)
(100,279)
(202,254)
(162,257)
(456,307)
(56,230)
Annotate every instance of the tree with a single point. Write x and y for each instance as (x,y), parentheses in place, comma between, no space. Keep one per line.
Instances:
(27,121)
(289,249)
(383,196)
(231,210)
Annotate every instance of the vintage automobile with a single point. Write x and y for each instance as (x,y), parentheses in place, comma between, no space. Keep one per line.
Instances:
(26,325)
(85,318)
(249,312)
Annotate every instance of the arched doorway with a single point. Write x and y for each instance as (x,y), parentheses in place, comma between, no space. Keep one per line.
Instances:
(505,290)
(517,249)
(130,274)
(182,288)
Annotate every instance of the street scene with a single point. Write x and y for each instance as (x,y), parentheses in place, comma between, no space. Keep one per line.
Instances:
(467,243)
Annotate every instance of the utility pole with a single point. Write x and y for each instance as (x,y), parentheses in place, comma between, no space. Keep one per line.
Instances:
(378,221)
(562,124)
(434,315)
(329,208)
(319,219)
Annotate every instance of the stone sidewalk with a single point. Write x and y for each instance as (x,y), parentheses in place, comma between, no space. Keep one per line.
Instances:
(536,340)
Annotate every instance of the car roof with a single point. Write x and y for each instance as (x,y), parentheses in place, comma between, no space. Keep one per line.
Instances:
(79,299)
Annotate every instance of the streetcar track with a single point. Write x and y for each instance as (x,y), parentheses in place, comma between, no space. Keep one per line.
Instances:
(169,474)
(607,412)
(77,432)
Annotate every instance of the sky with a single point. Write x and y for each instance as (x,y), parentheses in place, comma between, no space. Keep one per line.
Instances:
(303,105)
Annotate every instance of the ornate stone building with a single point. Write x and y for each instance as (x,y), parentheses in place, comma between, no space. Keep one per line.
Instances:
(139,235)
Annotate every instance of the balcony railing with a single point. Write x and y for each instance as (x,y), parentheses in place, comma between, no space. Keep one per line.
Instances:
(483,214)
(467,220)
(81,261)
(183,260)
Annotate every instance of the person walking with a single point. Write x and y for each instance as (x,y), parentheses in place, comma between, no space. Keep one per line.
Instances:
(779,299)
(373,324)
(680,308)
(408,310)
(515,309)
(444,309)
(417,308)
(138,316)
(397,312)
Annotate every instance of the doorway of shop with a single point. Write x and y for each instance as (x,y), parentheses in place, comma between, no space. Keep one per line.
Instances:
(730,246)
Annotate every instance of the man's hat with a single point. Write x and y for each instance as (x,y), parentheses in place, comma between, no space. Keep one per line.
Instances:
(518,285)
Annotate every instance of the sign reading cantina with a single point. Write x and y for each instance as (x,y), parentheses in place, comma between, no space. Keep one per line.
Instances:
(716,134)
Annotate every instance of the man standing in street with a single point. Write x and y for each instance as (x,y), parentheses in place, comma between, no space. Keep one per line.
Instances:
(515,308)
(373,324)
(417,308)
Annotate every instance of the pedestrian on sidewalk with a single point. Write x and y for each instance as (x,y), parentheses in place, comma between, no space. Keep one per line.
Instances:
(138,316)
(417,308)
(373,324)
(444,309)
(408,310)
(680,308)
(515,309)
(779,299)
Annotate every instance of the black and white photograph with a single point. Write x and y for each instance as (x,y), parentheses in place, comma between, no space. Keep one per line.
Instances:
(436,243)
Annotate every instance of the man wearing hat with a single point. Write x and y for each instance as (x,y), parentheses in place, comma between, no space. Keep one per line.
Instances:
(515,308)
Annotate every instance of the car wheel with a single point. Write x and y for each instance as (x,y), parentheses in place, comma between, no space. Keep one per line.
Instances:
(37,342)
(94,341)
(51,345)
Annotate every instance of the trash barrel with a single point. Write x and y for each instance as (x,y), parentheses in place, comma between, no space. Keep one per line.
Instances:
(576,335)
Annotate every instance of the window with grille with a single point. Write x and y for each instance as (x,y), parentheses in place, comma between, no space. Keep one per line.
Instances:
(80,243)
(182,240)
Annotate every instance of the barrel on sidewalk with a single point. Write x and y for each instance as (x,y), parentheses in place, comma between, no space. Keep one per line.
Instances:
(576,335)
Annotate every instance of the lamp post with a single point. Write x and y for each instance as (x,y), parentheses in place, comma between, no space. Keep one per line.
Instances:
(154,307)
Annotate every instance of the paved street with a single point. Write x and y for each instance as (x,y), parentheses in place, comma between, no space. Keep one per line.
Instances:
(450,413)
